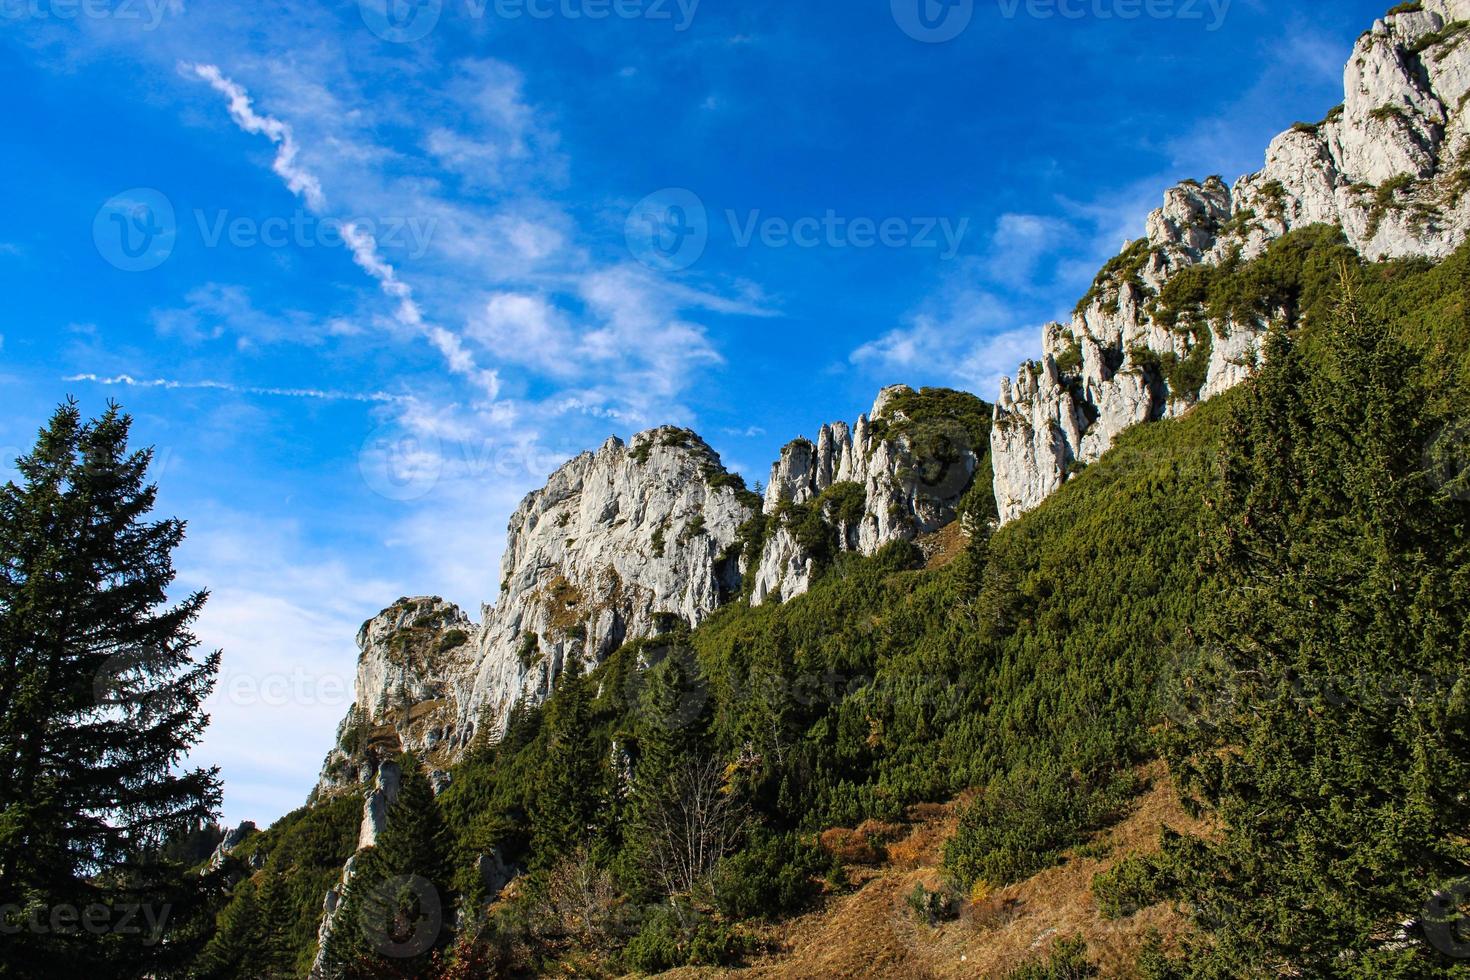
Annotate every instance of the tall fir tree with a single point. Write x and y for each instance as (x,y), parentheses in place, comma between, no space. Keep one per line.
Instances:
(396,912)
(1336,763)
(572,792)
(101,698)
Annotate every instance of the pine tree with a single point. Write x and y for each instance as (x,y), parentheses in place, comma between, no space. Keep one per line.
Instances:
(1337,762)
(395,911)
(100,693)
(236,946)
(571,796)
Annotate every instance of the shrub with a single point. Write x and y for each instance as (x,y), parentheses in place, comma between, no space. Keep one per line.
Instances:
(773,875)
(452,640)
(1068,961)
(1132,884)
(665,942)
(931,907)
(1024,820)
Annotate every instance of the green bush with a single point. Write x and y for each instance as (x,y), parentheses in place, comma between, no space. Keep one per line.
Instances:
(772,876)
(931,907)
(1134,883)
(1067,961)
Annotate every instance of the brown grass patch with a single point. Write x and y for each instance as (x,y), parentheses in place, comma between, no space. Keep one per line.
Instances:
(871,933)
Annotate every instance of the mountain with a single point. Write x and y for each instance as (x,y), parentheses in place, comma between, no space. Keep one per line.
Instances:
(635,540)
(1016,611)
(1390,167)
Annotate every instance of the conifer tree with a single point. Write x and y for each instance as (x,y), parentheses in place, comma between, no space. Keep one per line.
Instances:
(571,796)
(395,911)
(1338,758)
(100,697)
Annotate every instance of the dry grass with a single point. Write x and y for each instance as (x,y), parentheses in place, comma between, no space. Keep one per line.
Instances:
(870,932)
(944,545)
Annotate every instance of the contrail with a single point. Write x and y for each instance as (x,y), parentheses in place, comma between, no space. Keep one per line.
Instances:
(305,184)
(376,397)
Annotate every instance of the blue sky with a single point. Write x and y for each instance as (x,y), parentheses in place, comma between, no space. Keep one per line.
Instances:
(385,269)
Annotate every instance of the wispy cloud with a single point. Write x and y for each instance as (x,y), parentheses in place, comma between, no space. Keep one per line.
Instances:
(408,313)
(322,394)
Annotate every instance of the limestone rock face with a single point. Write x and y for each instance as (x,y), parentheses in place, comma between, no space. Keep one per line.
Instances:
(903,478)
(233,838)
(408,657)
(1391,166)
(620,544)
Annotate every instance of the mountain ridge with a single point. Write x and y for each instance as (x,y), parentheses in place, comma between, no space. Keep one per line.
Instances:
(1390,166)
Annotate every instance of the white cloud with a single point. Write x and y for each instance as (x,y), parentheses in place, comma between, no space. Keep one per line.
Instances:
(1019,244)
(285,620)
(362,244)
(520,328)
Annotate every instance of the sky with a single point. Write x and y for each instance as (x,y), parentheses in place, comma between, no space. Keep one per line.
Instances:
(365,273)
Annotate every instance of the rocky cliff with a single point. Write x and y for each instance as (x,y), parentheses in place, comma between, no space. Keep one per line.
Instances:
(1390,166)
(897,473)
(635,540)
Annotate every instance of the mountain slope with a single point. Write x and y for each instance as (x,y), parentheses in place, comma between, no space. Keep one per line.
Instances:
(1390,167)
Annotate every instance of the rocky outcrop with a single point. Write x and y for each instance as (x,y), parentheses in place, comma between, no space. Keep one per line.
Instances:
(408,657)
(898,473)
(232,839)
(621,543)
(1391,167)
(376,801)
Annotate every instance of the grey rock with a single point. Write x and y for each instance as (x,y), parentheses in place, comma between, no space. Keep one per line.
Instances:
(1389,167)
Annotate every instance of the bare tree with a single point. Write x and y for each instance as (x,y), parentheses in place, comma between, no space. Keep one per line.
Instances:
(699,822)
(580,899)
